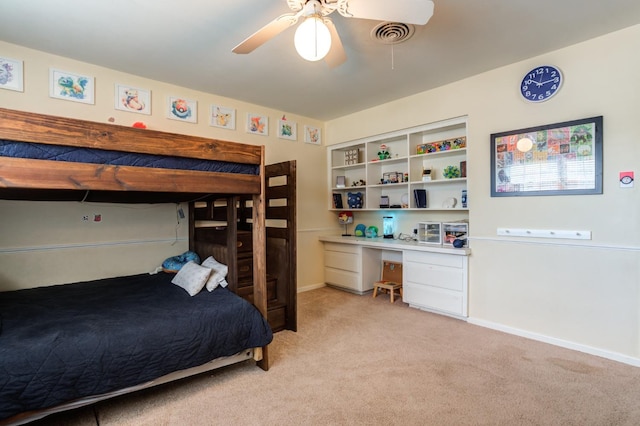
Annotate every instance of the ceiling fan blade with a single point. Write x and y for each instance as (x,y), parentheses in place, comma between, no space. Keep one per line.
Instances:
(336,55)
(417,12)
(266,33)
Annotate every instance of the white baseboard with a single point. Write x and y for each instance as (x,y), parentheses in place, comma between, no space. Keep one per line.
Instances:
(614,356)
(310,287)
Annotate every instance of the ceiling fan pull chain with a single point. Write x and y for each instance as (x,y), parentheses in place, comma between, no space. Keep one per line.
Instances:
(393,67)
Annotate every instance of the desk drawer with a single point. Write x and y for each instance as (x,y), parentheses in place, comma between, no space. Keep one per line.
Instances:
(433,298)
(350,280)
(434,276)
(451,260)
(345,248)
(342,260)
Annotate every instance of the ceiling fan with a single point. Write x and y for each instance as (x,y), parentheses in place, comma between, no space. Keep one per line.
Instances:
(316,37)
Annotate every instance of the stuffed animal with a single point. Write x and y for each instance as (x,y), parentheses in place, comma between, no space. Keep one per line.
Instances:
(175,263)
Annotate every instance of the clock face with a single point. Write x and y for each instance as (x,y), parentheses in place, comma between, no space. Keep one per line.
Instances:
(541,83)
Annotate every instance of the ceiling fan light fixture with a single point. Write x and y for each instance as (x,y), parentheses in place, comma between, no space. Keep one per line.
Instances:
(312,39)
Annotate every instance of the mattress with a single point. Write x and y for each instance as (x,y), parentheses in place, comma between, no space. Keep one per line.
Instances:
(118,158)
(70,341)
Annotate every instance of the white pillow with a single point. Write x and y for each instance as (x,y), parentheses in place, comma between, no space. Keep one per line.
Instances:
(218,274)
(192,277)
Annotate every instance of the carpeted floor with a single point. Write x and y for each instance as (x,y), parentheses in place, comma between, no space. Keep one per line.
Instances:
(356,360)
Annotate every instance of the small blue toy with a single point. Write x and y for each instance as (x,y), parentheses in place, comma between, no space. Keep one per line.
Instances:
(372,232)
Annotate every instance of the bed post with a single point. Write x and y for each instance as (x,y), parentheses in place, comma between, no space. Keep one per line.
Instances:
(259,256)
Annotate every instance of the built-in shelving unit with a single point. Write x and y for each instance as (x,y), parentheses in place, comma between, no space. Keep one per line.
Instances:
(411,151)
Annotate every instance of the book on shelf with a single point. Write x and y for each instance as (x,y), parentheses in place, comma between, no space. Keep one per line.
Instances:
(337,201)
(420,196)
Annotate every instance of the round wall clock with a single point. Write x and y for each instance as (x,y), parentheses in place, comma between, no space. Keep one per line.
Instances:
(541,83)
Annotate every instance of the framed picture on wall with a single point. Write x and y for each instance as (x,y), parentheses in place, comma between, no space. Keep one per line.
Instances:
(554,159)
(133,99)
(11,74)
(287,130)
(222,116)
(182,109)
(258,124)
(71,86)
(312,135)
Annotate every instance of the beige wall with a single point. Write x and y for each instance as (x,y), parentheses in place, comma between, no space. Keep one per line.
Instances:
(48,243)
(580,294)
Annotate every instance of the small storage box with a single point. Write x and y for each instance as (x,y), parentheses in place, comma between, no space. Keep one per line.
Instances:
(455,230)
(430,232)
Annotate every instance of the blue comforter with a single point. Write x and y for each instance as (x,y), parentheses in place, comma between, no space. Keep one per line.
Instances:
(117,158)
(69,341)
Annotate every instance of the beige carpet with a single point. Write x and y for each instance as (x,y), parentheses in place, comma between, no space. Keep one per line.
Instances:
(360,361)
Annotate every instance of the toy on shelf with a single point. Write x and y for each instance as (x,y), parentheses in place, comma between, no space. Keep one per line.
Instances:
(451,172)
(345,218)
(354,200)
(383,154)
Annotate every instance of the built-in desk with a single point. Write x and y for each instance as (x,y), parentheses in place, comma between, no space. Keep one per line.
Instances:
(435,277)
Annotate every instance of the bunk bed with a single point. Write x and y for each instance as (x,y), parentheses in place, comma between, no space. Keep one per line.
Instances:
(207,169)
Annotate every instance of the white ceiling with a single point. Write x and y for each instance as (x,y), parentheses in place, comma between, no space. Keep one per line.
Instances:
(188,43)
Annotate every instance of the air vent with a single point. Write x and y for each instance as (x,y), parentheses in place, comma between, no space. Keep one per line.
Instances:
(392,32)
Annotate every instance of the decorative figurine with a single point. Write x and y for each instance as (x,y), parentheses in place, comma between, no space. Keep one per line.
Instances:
(354,199)
(384,154)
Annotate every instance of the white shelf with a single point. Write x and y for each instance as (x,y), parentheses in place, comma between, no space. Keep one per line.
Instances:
(388,161)
(439,181)
(457,151)
(402,146)
(349,166)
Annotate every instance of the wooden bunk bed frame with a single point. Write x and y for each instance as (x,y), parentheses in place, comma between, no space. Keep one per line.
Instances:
(32,179)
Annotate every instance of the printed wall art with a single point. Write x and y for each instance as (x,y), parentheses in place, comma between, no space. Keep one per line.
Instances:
(287,129)
(133,99)
(221,116)
(71,87)
(258,124)
(312,135)
(182,109)
(11,74)
(554,159)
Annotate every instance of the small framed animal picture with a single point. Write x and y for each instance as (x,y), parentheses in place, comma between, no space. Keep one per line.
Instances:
(71,86)
(11,74)
(312,135)
(133,99)
(258,124)
(287,129)
(224,117)
(182,109)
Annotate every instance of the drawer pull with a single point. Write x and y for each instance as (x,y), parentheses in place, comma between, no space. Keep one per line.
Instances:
(239,243)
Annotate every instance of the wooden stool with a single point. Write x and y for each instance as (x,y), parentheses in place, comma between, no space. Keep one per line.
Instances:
(390,280)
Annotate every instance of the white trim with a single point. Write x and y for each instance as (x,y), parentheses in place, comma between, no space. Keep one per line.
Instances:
(317,230)
(614,356)
(88,245)
(557,243)
(310,287)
